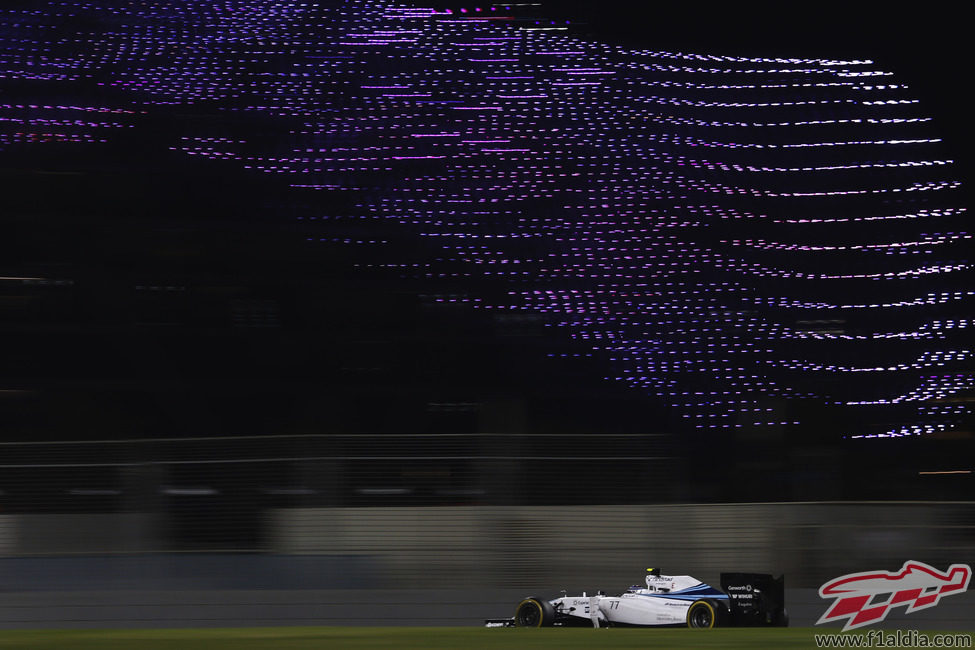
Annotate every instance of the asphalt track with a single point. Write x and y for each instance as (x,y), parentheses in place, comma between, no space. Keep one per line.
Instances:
(176,608)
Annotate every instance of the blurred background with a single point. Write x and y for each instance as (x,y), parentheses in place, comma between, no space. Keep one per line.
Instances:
(214,410)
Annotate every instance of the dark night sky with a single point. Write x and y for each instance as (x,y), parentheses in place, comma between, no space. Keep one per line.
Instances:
(290,378)
(926,45)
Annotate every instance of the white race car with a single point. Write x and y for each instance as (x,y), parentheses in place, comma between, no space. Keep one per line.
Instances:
(745,600)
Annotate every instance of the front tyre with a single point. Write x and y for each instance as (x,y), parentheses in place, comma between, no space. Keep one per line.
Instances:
(534,612)
(703,614)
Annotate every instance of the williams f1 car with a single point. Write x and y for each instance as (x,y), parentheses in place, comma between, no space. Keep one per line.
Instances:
(744,600)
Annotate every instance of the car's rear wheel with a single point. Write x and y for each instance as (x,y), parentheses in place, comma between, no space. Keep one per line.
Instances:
(703,614)
(534,612)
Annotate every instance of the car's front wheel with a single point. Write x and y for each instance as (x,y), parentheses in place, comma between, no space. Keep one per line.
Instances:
(534,612)
(702,613)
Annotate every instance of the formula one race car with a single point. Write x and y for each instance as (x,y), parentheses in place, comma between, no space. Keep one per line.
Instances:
(745,600)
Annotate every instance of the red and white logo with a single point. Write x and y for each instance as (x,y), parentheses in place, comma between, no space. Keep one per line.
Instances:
(866,598)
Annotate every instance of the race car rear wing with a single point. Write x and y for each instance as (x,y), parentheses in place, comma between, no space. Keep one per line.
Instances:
(755,599)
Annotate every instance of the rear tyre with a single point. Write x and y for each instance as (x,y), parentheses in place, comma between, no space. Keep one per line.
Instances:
(702,614)
(534,612)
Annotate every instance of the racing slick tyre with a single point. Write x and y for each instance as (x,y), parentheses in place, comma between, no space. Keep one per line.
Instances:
(702,613)
(534,612)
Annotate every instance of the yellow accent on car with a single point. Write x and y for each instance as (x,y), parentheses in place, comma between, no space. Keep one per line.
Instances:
(541,612)
(698,603)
